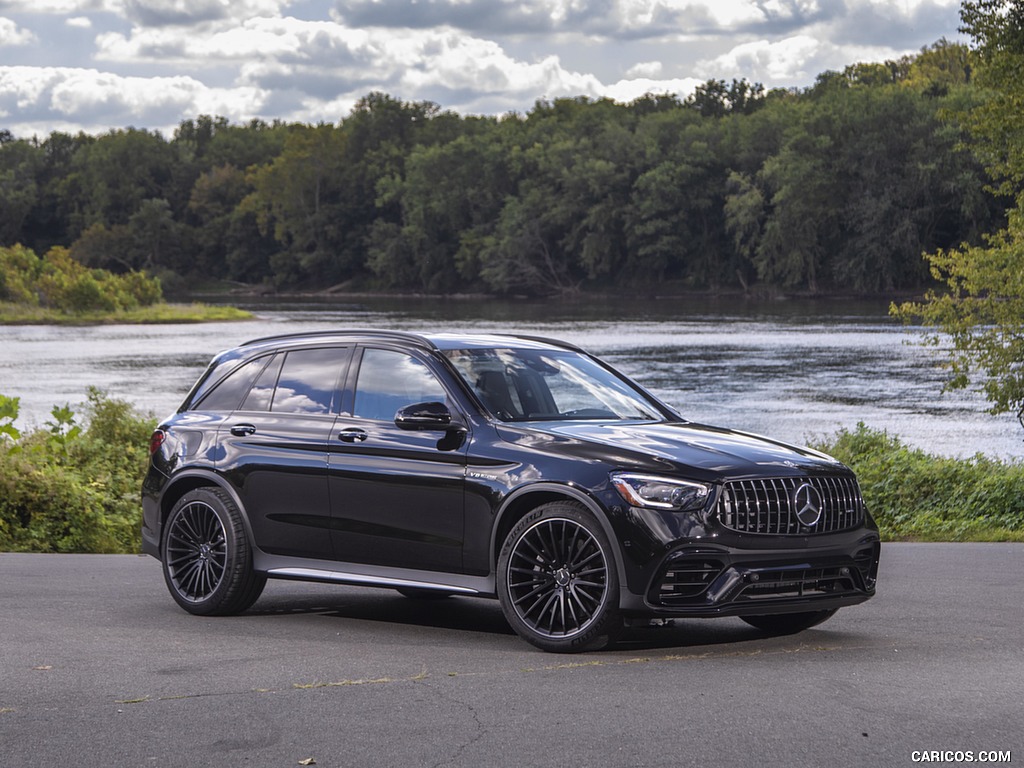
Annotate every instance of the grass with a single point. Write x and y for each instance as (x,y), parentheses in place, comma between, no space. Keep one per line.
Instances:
(21,314)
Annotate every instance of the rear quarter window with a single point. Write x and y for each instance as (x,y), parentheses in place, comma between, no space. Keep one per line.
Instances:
(226,395)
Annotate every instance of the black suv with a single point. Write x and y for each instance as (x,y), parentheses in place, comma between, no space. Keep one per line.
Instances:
(501,466)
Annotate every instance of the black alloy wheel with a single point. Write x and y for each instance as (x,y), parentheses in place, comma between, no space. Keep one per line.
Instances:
(206,556)
(557,580)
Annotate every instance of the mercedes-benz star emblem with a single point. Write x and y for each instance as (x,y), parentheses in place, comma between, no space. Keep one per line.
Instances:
(807,504)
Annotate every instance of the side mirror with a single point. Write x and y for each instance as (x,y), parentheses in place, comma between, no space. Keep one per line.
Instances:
(424,416)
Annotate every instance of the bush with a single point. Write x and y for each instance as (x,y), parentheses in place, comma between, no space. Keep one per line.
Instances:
(915,495)
(65,488)
(19,270)
(59,282)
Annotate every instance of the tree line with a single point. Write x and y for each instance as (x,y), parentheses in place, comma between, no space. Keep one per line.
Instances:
(839,187)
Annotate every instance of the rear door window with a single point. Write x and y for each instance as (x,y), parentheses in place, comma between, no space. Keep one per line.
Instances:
(308,381)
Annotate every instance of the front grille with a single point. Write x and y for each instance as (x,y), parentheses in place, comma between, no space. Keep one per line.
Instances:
(808,582)
(769,505)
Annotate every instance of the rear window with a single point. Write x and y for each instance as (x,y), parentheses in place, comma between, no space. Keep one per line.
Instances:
(301,381)
(226,395)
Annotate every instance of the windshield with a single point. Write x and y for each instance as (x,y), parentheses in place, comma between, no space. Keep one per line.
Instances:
(541,385)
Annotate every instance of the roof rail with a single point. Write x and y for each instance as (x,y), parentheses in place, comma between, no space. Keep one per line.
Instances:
(413,338)
(547,340)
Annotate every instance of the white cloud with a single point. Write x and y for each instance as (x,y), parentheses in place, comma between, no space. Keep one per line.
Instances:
(780,62)
(258,38)
(457,62)
(632,89)
(326,61)
(101,100)
(158,13)
(61,7)
(12,35)
(649,69)
(247,58)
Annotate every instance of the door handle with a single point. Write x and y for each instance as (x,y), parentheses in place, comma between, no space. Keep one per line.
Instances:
(243,430)
(353,435)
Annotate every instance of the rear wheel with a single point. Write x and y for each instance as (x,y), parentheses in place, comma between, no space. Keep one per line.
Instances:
(789,623)
(557,581)
(207,559)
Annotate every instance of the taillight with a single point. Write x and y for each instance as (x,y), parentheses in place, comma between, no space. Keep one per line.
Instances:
(156,440)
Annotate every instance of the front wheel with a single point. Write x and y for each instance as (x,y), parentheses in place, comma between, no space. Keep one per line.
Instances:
(557,581)
(207,559)
(788,623)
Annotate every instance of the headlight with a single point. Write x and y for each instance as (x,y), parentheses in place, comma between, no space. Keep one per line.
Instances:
(661,492)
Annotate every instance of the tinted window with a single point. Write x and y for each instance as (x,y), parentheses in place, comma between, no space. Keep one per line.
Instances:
(308,381)
(227,395)
(262,393)
(391,380)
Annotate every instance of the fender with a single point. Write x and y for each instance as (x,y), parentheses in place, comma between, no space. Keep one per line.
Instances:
(208,477)
(573,492)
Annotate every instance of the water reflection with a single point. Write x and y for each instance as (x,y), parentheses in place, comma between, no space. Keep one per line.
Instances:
(794,370)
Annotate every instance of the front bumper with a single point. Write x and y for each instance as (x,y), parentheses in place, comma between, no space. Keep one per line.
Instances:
(708,581)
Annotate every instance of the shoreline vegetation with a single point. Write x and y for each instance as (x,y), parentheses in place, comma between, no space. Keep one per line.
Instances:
(56,289)
(164,312)
(72,485)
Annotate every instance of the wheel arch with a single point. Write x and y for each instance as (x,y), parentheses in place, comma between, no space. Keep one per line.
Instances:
(520,502)
(191,480)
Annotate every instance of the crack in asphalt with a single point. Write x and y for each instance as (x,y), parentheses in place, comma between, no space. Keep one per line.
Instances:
(425,675)
(479,728)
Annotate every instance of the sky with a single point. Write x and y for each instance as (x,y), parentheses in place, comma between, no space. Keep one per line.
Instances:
(98,65)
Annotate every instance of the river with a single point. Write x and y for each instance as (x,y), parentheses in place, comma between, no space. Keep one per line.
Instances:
(796,370)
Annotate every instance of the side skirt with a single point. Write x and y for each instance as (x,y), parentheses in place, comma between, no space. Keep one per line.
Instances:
(361,574)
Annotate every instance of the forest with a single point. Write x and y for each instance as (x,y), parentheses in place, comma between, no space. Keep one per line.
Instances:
(838,188)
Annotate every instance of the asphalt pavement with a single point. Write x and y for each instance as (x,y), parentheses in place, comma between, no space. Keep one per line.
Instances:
(98,667)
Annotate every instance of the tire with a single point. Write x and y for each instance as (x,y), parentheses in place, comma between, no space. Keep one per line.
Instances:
(557,580)
(788,623)
(206,556)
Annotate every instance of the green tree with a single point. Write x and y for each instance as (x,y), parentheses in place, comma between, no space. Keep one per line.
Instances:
(982,309)
(523,256)
(110,178)
(18,189)
(449,198)
(295,198)
(941,67)
(744,218)
(105,247)
(49,222)
(801,214)
(675,224)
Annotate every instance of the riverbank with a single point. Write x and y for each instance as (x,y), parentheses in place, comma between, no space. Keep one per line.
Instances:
(195,312)
(671,290)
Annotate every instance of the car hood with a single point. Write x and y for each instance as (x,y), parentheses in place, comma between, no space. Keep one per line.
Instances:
(709,452)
